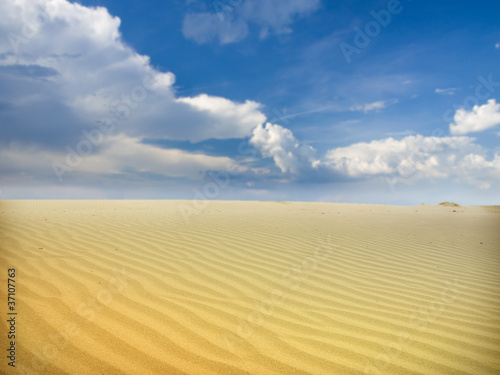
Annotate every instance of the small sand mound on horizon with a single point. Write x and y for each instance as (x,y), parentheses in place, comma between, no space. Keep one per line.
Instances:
(449,204)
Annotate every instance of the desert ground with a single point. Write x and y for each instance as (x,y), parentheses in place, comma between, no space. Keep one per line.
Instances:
(173,287)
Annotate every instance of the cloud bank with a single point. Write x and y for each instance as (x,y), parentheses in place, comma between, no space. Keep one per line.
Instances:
(411,158)
(65,71)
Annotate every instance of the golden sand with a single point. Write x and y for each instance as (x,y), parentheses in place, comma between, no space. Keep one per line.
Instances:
(165,287)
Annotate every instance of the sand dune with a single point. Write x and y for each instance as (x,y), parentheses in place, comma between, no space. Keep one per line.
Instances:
(162,287)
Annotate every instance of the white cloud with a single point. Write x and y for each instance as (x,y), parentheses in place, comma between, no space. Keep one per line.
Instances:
(64,68)
(229,119)
(417,158)
(90,72)
(475,169)
(497,46)
(478,119)
(280,144)
(412,158)
(375,106)
(391,156)
(117,154)
(230,21)
(121,153)
(448,91)
(205,27)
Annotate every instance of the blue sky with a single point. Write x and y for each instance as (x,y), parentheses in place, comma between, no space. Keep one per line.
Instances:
(391,102)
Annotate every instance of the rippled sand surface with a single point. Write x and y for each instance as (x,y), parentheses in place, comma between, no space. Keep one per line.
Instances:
(171,287)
